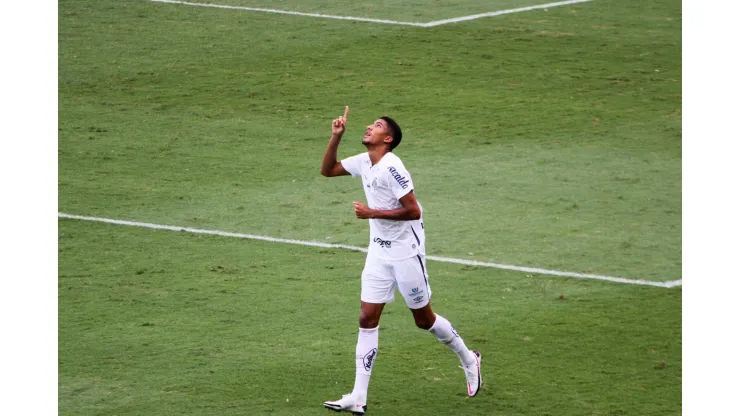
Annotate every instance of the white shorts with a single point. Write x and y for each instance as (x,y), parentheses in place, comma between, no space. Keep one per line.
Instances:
(381,277)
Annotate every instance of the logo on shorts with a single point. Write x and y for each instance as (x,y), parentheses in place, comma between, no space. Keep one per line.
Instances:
(383,243)
(419,299)
(416,291)
(369,358)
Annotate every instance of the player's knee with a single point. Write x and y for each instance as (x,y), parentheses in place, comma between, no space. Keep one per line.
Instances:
(424,323)
(424,317)
(368,320)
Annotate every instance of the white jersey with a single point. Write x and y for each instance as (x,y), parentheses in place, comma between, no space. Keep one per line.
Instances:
(384,184)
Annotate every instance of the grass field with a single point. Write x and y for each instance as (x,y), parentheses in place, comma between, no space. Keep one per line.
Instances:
(547,139)
(413,11)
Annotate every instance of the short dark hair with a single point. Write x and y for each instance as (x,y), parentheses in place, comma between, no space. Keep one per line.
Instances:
(395,131)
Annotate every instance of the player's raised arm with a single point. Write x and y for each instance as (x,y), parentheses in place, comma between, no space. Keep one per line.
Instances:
(330,166)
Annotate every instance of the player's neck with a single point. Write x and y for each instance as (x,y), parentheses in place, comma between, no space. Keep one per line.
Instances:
(376,154)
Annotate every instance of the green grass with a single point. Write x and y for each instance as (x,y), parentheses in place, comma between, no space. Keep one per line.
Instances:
(532,140)
(160,322)
(548,139)
(421,11)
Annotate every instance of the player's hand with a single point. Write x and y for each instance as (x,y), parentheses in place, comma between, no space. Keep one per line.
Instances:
(340,124)
(362,211)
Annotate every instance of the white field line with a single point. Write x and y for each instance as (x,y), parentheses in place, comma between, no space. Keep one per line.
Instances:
(390,22)
(354,248)
(325,16)
(499,13)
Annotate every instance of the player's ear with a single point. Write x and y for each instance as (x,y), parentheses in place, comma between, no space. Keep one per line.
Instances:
(388,139)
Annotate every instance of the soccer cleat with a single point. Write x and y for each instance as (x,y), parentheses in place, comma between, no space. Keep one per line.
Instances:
(347,404)
(472,373)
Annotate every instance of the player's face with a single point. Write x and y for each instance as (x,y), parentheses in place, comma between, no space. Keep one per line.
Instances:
(376,133)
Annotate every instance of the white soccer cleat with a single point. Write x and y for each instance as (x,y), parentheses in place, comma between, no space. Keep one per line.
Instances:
(472,373)
(347,404)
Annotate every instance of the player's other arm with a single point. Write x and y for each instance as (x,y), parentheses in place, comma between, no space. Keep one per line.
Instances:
(329,166)
(409,210)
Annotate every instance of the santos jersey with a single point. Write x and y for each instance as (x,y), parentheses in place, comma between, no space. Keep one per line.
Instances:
(384,184)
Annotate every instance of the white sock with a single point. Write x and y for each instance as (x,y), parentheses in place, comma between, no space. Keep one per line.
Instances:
(365,353)
(447,335)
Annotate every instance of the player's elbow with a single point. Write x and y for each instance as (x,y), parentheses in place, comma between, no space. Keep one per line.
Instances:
(329,171)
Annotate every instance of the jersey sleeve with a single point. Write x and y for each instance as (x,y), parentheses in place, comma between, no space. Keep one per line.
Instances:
(353,165)
(399,180)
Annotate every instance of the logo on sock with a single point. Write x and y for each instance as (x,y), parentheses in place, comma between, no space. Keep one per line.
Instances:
(454,331)
(368,359)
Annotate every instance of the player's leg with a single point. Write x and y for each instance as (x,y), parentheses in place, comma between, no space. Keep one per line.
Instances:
(414,285)
(377,290)
(370,314)
(367,348)
(444,331)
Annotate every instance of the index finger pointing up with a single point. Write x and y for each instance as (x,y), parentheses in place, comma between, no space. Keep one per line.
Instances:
(346,111)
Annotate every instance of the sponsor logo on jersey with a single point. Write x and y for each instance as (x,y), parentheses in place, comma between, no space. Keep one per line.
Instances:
(382,243)
(368,359)
(397,176)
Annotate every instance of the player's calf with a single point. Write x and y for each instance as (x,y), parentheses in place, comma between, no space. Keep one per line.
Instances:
(424,317)
(470,360)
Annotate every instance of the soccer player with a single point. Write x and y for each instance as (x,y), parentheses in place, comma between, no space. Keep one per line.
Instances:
(396,255)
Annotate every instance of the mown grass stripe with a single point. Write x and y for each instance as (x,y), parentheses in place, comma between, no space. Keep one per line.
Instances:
(355,248)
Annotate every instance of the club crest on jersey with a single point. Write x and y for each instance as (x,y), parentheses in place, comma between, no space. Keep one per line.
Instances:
(397,176)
